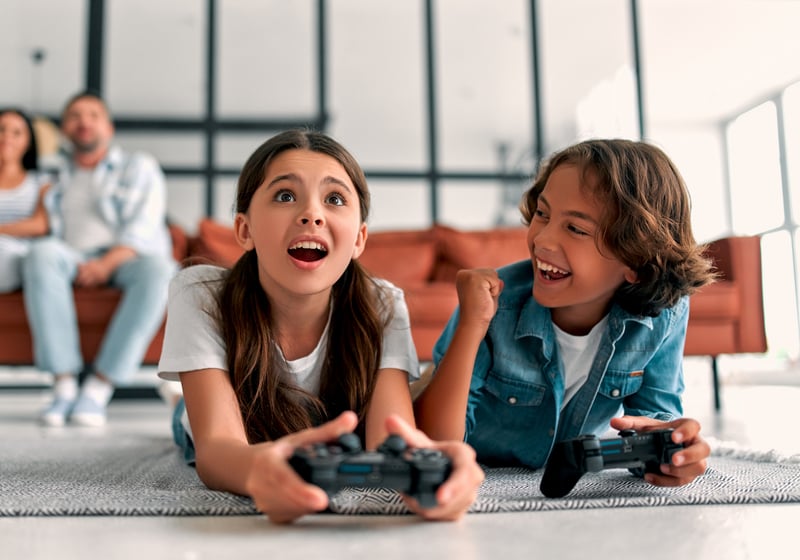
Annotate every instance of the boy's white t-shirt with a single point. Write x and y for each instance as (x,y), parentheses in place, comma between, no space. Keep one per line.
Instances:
(577,355)
(192,340)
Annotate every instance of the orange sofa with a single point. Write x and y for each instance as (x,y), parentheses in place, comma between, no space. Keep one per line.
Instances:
(725,318)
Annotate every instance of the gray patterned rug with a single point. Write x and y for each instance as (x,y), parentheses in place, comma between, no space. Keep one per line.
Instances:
(141,476)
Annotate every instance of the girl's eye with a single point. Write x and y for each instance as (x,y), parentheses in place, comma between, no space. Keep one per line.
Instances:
(336,199)
(539,214)
(284,196)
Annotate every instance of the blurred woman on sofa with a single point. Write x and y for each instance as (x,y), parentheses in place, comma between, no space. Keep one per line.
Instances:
(22,186)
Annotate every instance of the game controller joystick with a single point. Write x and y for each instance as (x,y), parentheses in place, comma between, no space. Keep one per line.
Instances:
(336,465)
(571,459)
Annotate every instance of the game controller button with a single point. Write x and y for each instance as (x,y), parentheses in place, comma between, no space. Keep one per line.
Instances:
(350,443)
(627,433)
(426,455)
(394,444)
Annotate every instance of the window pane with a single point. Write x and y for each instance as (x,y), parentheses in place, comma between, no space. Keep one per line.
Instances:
(376,78)
(224,198)
(171,149)
(154,57)
(755,171)
(58,31)
(780,303)
(266,62)
(484,83)
(473,204)
(232,149)
(692,149)
(587,83)
(791,124)
(398,204)
(186,201)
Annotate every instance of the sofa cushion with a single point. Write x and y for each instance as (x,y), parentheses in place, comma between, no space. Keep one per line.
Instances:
(477,249)
(718,301)
(402,257)
(180,242)
(214,244)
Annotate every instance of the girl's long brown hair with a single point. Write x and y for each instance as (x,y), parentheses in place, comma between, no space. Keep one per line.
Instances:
(272,405)
(646,221)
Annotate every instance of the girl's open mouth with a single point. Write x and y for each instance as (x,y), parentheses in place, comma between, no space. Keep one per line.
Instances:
(308,251)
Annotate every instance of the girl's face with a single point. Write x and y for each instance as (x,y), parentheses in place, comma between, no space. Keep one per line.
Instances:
(571,276)
(14,137)
(304,222)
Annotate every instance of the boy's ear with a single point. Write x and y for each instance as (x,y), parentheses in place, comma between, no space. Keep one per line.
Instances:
(241,230)
(361,241)
(630,276)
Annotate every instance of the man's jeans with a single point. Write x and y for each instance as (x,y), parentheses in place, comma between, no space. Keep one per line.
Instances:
(48,273)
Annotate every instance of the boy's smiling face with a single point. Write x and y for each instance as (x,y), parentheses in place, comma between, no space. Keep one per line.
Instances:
(574,275)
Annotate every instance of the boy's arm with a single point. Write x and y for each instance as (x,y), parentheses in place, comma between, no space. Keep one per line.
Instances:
(660,394)
(441,408)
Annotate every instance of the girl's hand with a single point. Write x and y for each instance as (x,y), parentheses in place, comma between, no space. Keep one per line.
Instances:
(276,489)
(688,463)
(478,290)
(458,492)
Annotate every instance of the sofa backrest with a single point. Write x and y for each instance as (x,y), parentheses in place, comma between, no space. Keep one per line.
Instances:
(493,248)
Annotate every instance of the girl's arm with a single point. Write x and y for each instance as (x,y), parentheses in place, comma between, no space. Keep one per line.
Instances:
(224,456)
(441,408)
(32,226)
(226,461)
(391,396)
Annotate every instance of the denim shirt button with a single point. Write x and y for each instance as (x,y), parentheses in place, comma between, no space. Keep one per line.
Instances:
(615,392)
(512,400)
(551,432)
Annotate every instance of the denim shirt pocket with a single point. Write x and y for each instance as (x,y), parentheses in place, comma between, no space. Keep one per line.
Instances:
(514,392)
(620,384)
(514,404)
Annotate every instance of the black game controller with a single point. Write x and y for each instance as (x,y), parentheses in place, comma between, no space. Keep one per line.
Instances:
(572,458)
(333,466)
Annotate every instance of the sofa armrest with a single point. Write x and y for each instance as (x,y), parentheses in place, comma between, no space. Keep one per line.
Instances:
(738,260)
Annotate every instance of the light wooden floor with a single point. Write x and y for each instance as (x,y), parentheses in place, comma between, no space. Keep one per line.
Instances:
(759,410)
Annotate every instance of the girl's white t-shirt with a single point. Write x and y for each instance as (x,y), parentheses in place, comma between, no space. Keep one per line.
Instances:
(192,340)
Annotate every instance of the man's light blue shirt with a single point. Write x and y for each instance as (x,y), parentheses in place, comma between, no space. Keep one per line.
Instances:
(515,411)
(132,200)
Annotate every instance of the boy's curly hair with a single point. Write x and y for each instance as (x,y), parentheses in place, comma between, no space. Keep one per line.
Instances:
(646,223)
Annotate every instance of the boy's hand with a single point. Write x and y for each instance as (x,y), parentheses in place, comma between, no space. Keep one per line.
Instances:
(478,290)
(458,492)
(688,463)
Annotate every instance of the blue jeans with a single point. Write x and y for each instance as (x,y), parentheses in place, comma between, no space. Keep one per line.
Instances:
(48,273)
(179,435)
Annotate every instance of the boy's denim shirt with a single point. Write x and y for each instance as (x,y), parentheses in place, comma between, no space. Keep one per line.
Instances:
(515,411)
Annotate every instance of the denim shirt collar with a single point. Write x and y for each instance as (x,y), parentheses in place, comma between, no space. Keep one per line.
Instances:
(536,320)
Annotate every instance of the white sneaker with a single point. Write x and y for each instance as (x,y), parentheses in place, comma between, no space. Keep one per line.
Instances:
(88,412)
(56,414)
